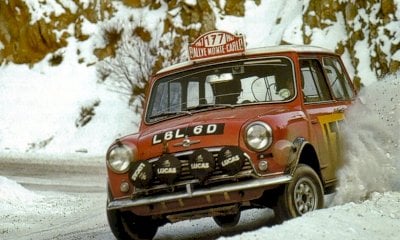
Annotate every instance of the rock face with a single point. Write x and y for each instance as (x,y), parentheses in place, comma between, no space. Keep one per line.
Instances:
(375,23)
(26,40)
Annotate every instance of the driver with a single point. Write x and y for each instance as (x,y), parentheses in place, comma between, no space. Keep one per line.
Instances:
(227,92)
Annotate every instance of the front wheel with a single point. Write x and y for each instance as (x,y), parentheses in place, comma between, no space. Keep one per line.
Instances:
(126,225)
(303,194)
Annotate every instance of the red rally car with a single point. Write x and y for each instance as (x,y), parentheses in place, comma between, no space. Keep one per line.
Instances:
(228,130)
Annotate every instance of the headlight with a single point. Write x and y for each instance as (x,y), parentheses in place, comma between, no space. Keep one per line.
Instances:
(119,159)
(258,136)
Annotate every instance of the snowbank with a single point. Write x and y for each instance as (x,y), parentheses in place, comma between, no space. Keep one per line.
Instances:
(14,196)
(376,218)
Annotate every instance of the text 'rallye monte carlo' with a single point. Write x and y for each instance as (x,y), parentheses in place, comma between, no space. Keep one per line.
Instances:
(229,130)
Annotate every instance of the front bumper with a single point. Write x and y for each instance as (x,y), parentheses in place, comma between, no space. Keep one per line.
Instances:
(158,203)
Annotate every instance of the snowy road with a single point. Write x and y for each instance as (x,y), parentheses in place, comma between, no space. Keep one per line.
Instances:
(66,200)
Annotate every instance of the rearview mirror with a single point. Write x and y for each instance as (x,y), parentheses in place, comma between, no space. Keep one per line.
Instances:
(224,77)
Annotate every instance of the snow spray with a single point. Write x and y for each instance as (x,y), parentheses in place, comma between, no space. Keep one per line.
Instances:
(371,139)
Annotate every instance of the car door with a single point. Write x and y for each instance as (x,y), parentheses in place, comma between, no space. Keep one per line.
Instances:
(324,114)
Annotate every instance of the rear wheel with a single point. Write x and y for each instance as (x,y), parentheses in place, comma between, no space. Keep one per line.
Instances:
(226,221)
(303,194)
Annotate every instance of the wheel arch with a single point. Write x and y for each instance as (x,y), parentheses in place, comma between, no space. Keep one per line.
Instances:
(306,154)
(309,157)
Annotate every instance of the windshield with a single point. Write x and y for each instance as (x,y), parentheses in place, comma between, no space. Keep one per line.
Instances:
(219,86)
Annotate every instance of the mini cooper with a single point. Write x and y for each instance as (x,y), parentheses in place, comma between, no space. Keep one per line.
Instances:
(229,130)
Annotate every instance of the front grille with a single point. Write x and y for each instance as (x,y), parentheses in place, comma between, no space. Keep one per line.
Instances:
(185,178)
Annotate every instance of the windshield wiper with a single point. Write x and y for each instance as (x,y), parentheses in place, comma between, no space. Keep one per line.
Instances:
(195,108)
(168,114)
(208,106)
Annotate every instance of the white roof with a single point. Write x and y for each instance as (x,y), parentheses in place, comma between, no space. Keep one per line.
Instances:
(253,51)
(287,48)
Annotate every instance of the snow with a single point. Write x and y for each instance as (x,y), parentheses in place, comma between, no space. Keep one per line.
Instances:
(334,33)
(376,218)
(43,9)
(265,31)
(371,137)
(11,192)
(396,56)
(40,104)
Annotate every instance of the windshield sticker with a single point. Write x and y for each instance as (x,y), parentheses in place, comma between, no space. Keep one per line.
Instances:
(198,130)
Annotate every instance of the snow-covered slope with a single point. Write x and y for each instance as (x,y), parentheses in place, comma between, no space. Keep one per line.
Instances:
(40,106)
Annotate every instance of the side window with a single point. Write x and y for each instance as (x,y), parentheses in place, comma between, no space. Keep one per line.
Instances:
(338,81)
(314,86)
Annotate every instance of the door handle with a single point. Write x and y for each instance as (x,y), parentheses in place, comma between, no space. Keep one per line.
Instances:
(314,121)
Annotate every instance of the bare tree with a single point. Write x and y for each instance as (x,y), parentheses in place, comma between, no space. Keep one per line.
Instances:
(128,72)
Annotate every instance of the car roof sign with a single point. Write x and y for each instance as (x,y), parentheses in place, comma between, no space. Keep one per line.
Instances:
(216,43)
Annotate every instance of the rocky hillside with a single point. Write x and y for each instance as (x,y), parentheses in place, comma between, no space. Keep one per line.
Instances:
(30,30)
(371,26)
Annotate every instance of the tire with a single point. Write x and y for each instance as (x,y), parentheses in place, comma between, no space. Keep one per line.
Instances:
(302,195)
(127,225)
(227,220)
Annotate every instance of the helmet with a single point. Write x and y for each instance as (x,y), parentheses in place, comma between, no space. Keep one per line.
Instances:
(226,90)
